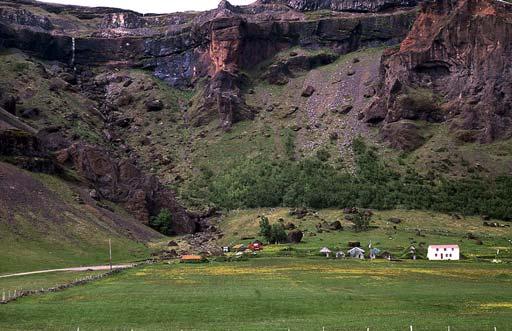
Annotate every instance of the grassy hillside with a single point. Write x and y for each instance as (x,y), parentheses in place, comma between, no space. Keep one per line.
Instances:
(48,223)
(277,294)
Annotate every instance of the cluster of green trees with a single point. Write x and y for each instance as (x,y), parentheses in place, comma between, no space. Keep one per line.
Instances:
(315,183)
(274,233)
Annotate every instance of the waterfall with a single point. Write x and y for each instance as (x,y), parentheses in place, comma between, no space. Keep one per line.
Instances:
(73,47)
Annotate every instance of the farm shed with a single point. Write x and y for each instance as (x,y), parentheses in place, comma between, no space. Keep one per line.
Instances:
(192,259)
(326,251)
(356,253)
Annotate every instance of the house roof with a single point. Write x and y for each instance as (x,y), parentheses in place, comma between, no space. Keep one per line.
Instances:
(443,246)
(356,249)
(325,250)
(191,257)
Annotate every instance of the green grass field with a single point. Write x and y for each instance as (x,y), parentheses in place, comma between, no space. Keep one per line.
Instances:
(277,294)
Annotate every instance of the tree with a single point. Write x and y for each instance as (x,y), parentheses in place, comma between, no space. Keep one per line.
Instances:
(277,234)
(265,227)
(274,233)
(362,221)
(162,222)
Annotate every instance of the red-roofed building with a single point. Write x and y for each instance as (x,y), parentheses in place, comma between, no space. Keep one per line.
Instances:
(443,252)
(256,246)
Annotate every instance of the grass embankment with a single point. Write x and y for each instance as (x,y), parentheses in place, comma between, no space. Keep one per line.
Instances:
(44,226)
(47,280)
(276,294)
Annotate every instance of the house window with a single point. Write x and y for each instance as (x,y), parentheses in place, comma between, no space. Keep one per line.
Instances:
(436,254)
(445,249)
(437,249)
(453,249)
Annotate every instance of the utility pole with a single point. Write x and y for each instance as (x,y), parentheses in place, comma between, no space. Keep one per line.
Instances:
(110,252)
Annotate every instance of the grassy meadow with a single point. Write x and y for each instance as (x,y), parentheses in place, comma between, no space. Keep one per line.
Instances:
(277,294)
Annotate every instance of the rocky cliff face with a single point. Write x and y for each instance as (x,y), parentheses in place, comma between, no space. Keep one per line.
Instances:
(122,182)
(455,65)
(182,49)
(343,5)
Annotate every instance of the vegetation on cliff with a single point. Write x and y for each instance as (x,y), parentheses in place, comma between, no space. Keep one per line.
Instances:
(314,183)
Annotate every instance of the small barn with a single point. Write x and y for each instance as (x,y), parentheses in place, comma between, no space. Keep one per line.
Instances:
(356,253)
(326,251)
(239,248)
(256,246)
(374,252)
(443,252)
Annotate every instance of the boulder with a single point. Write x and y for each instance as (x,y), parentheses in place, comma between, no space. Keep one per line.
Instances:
(345,109)
(30,113)
(404,135)
(299,212)
(289,226)
(395,220)
(308,91)
(350,210)
(154,105)
(295,236)
(8,102)
(336,226)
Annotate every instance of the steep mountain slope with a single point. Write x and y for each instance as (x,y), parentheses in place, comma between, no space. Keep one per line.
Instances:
(46,222)
(154,112)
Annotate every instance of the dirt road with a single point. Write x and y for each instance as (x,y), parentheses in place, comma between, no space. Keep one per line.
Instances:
(77,269)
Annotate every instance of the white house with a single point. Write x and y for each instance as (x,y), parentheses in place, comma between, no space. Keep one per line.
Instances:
(443,252)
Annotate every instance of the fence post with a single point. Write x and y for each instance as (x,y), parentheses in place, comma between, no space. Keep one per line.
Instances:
(3,296)
(410,327)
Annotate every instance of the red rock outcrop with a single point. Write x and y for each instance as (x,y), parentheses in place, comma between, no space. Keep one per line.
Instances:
(122,182)
(455,66)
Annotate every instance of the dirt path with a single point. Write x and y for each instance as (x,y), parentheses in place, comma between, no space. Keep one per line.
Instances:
(78,269)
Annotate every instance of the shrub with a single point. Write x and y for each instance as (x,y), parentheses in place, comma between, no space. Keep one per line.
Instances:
(265,227)
(277,234)
(361,221)
(162,222)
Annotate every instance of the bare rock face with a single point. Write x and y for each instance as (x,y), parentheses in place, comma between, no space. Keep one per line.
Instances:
(455,65)
(343,5)
(25,17)
(187,48)
(122,182)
